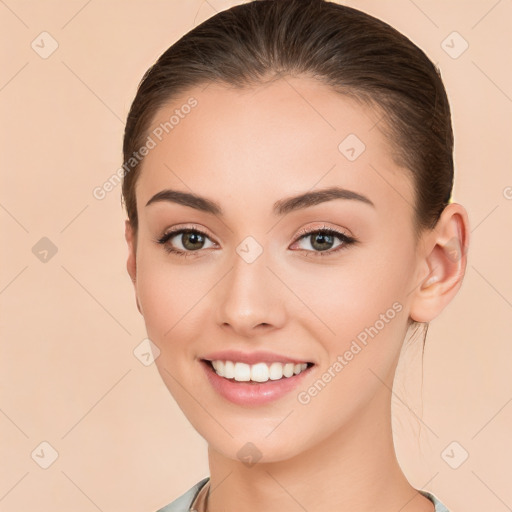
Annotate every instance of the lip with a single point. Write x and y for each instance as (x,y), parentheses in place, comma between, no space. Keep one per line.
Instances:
(259,356)
(252,393)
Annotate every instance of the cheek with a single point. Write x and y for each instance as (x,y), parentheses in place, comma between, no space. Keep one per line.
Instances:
(173,296)
(164,291)
(353,292)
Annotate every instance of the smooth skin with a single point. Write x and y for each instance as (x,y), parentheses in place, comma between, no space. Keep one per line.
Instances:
(246,149)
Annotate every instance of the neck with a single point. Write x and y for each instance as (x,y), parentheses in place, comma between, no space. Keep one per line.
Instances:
(355,469)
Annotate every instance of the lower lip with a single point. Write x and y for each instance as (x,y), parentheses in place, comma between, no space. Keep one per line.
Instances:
(252,393)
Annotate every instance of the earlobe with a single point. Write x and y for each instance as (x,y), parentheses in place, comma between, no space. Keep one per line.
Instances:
(444,264)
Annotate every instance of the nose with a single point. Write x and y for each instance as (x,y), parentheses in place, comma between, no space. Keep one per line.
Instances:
(250,300)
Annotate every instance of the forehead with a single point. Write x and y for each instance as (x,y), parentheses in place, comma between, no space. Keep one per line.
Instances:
(251,146)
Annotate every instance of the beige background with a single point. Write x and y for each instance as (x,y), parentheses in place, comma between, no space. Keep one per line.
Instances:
(69,325)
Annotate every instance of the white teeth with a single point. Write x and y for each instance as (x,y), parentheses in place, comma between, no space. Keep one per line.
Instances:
(288,369)
(259,372)
(276,371)
(242,372)
(229,370)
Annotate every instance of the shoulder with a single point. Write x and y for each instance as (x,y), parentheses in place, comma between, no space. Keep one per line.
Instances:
(183,502)
(439,507)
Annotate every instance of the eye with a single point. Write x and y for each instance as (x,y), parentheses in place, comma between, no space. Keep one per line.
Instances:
(322,241)
(191,240)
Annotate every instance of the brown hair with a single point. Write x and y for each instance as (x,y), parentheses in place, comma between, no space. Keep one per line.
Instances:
(353,52)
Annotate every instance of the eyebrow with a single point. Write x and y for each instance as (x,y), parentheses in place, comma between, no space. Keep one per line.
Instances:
(281,207)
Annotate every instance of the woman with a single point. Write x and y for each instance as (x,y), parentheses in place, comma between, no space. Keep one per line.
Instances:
(288,180)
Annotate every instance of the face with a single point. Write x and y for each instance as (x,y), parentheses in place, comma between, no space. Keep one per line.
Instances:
(323,280)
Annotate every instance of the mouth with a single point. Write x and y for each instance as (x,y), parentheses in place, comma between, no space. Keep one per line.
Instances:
(254,385)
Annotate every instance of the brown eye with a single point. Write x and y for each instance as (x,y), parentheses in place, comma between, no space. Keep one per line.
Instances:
(184,242)
(322,241)
(191,240)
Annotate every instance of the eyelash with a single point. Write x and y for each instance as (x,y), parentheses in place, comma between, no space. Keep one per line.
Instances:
(345,239)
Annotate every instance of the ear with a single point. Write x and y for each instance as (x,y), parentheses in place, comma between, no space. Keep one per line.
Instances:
(131,263)
(443,264)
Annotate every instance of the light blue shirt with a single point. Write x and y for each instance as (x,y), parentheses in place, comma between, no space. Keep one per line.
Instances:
(183,503)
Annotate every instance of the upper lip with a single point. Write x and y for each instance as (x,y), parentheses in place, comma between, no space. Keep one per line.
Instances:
(251,357)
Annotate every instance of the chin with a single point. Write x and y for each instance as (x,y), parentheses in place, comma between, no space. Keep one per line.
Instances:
(250,450)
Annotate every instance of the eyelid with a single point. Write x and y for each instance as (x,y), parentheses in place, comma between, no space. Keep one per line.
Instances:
(323,227)
(184,227)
